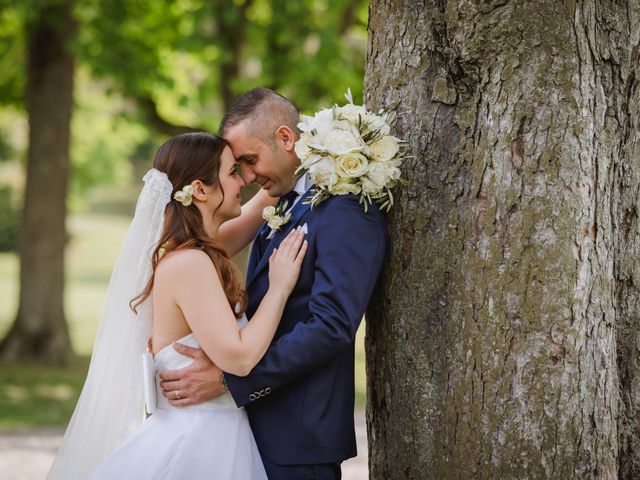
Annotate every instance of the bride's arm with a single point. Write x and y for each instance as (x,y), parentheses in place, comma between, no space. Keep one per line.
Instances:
(200,296)
(237,233)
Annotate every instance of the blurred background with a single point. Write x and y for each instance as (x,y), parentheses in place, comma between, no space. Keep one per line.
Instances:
(88,90)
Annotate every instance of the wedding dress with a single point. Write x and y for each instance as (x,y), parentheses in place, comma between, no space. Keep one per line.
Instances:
(106,436)
(211,440)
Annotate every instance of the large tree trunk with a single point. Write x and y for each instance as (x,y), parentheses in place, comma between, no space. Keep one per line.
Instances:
(40,331)
(503,342)
(232,32)
(627,274)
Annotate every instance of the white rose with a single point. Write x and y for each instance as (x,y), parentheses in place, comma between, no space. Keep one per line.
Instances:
(352,165)
(369,187)
(302,145)
(276,222)
(268,212)
(341,138)
(379,173)
(323,172)
(184,196)
(320,122)
(305,123)
(377,122)
(352,113)
(384,149)
(343,188)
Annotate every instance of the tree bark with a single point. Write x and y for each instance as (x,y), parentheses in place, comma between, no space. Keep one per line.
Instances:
(503,341)
(627,273)
(40,331)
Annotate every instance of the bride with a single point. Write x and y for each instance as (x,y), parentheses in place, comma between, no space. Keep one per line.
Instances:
(175,257)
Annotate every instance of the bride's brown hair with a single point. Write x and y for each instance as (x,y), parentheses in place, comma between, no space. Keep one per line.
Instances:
(185,158)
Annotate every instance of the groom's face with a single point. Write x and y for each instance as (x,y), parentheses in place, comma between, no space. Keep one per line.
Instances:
(268,164)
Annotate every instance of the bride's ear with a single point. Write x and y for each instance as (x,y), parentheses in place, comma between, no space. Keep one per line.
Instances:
(199,190)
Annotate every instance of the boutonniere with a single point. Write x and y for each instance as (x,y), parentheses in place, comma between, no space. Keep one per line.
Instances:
(276,217)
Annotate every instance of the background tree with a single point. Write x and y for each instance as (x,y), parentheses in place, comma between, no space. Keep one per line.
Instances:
(503,343)
(40,332)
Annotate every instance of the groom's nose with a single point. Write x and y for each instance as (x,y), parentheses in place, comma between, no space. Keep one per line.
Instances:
(247,175)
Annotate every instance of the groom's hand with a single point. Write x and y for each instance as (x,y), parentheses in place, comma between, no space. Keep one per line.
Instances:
(197,383)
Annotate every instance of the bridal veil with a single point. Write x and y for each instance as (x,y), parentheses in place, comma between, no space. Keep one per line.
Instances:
(111,404)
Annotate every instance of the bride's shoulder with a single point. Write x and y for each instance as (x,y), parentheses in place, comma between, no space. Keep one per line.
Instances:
(184,262)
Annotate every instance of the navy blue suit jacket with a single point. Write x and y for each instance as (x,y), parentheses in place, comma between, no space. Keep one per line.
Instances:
(300,396)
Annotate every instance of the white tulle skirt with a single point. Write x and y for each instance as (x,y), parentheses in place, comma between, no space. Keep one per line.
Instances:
(200,443)
(207,441)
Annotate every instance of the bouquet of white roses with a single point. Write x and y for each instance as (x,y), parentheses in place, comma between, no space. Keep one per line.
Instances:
(349,149)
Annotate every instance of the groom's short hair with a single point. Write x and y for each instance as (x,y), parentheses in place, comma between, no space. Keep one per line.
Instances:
(264,111)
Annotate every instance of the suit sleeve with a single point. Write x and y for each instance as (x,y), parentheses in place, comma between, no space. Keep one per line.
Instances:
(351,246)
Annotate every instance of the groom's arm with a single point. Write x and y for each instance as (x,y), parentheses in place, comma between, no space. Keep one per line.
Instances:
(351,247)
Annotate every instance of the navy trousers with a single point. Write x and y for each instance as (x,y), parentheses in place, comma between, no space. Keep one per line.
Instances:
(327,471)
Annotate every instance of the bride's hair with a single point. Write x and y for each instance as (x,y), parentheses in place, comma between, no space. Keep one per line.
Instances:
(185,158)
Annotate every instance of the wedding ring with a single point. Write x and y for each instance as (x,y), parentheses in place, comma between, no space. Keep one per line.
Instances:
(178,394)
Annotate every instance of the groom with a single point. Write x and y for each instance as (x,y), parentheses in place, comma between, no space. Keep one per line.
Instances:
(300,397)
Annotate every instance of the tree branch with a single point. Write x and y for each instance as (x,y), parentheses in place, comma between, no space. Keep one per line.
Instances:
(160,124)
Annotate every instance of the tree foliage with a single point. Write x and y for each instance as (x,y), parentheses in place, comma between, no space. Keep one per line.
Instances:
(162,67)
(142,70)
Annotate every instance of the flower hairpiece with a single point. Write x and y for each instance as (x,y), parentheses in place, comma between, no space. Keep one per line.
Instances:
(184,196)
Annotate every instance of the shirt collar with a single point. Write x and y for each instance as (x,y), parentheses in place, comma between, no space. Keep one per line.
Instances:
(302,185)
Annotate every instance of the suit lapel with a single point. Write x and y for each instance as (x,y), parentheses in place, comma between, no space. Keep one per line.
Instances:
(257,248)
(296,214)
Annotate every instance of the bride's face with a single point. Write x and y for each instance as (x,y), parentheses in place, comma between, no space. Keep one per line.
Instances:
(231,182)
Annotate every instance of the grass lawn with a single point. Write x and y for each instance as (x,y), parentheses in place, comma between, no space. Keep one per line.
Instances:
(33,395)
(45,396)
(38,396)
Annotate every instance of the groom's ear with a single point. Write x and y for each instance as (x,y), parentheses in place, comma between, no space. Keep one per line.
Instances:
(286,136)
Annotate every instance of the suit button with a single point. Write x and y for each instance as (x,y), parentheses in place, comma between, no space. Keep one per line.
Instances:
(267,390)
(261,393)
(252,397)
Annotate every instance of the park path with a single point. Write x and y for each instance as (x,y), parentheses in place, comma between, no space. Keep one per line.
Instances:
(28,455)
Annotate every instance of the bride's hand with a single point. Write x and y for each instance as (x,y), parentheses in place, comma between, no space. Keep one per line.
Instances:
(285,262)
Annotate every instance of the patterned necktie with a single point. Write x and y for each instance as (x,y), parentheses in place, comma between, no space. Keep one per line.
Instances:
(289,198)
